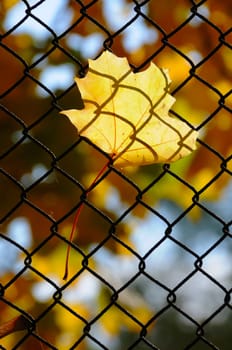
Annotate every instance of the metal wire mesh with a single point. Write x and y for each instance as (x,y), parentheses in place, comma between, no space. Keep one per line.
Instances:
(56,155)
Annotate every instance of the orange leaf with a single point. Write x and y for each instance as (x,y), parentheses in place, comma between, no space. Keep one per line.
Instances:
(14,325)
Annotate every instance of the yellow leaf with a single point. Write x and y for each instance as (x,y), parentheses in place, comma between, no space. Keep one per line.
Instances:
(126,113)
(7,4)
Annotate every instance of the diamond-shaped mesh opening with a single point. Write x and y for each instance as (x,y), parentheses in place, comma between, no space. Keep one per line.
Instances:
(150,261)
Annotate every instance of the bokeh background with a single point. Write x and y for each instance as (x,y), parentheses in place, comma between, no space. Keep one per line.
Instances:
(152,264)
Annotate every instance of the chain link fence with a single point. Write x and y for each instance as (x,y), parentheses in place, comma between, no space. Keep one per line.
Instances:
(128,295)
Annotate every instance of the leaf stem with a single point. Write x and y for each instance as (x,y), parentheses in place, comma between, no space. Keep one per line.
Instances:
(77,215)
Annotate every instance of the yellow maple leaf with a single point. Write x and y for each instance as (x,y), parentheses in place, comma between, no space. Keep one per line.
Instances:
(126,114)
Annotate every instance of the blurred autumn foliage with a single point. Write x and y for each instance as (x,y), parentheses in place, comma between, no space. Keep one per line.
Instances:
(45,166)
